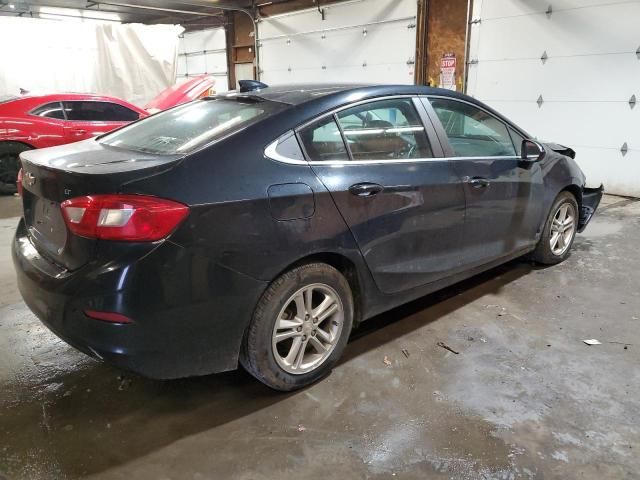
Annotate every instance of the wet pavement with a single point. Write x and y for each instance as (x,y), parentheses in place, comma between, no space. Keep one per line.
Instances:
(523,398)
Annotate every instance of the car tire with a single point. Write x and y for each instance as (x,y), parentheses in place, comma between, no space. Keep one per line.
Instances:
(559,231)
(269,350)
(10,165)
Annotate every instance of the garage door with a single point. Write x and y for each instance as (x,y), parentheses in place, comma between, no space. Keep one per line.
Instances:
(364,40)
(204,51)
(568,72)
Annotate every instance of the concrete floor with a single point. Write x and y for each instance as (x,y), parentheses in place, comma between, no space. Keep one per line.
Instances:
(524,398)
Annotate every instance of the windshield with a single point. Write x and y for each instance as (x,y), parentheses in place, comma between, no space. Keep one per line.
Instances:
(187,127)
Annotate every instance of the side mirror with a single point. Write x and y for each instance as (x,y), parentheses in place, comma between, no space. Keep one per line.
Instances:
(532,151)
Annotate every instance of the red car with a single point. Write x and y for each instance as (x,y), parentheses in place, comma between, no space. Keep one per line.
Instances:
(29,122)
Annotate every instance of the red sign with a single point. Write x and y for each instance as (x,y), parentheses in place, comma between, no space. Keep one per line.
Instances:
(448,61)
(448,71)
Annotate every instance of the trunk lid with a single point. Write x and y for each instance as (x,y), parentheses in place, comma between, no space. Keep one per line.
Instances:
(186,91)
(53,175)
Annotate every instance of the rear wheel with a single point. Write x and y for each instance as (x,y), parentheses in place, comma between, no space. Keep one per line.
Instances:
(559,231)
(300,327)
(10,165)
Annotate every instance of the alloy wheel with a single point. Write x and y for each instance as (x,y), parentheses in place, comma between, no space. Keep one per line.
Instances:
(563,228)
(307,328)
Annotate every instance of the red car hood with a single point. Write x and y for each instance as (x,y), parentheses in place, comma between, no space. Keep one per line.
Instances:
(191,89)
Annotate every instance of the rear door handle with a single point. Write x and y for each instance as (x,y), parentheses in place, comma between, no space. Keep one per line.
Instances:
(365,189)
(78,131)
(479,182)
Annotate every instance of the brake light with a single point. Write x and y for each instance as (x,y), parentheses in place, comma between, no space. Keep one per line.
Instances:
(19,182)
(128,218)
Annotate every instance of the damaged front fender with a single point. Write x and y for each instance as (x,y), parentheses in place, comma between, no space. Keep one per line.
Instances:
(590,200)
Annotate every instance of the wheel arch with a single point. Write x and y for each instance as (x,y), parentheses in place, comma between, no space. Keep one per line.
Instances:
(20,142)
(575,190)
(346,266)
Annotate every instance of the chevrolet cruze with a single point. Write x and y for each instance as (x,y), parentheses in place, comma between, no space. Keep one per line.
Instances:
(259,226)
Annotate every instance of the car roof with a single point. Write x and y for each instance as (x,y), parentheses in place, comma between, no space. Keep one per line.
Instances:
(31,100)
(70,96)
(318,98)
(297,94)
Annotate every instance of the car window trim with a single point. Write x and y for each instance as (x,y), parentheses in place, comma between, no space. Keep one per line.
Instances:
(444,138)
(271,152)
(64,114)
(434,130)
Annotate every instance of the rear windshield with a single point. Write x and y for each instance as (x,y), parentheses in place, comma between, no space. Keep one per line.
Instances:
(187,127)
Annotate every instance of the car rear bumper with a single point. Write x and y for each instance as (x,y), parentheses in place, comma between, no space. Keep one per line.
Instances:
(590,200)
(188,314)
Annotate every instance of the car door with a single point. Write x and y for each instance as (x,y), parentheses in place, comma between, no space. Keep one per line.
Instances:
(503,193)
(88,118)
(404,204)
(45,131)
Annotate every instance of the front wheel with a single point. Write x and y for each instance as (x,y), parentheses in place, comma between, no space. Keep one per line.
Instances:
(559,231)
(300,327)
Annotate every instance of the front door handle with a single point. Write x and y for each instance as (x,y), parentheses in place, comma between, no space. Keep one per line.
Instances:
(365,189)
(479,182)
(78,131)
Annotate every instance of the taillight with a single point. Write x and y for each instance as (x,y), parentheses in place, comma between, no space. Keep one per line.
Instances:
(19,182)
(128,218)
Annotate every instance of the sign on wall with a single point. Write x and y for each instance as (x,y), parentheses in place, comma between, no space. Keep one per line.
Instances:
(448,71)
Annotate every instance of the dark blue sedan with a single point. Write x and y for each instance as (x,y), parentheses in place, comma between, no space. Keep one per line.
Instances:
(261,225)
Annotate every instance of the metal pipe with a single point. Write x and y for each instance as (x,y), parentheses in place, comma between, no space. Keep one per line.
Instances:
(38,15)
(159,9)
(466,49)
(335,29)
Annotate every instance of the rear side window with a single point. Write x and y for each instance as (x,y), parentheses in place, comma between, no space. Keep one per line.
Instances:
(187,127)
(472,132)
(322,141)
(49,110)
(87,111)
(385,130)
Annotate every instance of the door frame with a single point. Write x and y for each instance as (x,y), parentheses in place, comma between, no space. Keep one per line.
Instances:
(457,161)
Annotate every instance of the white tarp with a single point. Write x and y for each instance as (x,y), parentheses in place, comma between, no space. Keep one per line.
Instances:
(131,61)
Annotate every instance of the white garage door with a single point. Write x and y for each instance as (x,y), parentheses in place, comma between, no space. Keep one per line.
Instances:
(204,51)
(566,73)
(358,41)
